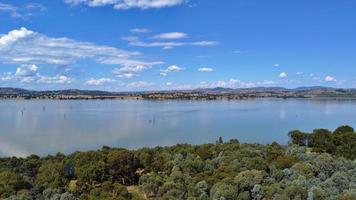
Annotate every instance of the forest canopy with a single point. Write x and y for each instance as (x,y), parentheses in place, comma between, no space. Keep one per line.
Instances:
(316,165)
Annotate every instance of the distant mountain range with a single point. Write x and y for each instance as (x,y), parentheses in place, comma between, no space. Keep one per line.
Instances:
(303,91)
(204,93)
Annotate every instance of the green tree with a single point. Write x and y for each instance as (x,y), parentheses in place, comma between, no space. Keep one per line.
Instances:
(223,190)
(91,173)
(299,138)
(246,180)
(344,129)
(201,190)
(109,191)
(122,167)
(345,144)
(150,184)
(51,175)
(274,151)
(321,141)
(10,183)
(295,192)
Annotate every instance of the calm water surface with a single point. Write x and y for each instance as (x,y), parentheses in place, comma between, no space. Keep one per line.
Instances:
(51,126)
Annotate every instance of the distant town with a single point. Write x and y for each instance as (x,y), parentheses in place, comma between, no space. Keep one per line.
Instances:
(197,94)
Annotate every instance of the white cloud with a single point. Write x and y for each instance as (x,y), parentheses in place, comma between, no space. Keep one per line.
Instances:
(276,65)
(24,74)
(36,6)
(205,69)
(135,41)
(171,69)
(139,30)
(30,73)
(283,75)
(299,73)
(167,47)
(7,7)
(163,74)
(14,35)
(316,78)
(100,81)
(60,79)
(169,84)
(26,70)
(233,83)
(139,84)
(128,4)
(23,12)
(204,43)
(7,76)
(129,71)
(174,68)
(236,52)
(169,36)
(330,79)
(23,46)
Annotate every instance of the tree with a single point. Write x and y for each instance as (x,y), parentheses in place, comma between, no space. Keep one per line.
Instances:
(176,186)
(30,166)
(316,193)
(257,192)
(150,184)
(347,195)
(205,151)
(201,190)
(51,175)
(304,169)
(10,183)
(246,180)
(337,183)
(321,141)
(68,196)
(285,162)
(274,151)
(295,192)
(257,163)
(223,190)
(299,138)
(344,129)
(345,144)
(91,173)
(122,167)
(271,190)
(109,191)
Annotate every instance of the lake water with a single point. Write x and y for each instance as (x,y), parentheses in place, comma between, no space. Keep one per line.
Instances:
(50,126)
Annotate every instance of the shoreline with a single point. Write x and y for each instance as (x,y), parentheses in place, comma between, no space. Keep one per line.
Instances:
(185,171)
(140,98)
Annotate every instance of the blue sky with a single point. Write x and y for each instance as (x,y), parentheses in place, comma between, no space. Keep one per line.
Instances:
(127,45)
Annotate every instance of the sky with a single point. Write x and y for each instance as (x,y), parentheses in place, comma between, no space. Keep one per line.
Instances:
(138,45)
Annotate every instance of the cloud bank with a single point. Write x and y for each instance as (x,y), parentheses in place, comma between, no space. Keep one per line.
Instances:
(135,41)
(128,4)
(23,46)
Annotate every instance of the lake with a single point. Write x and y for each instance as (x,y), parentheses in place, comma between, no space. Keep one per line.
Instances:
(49,126)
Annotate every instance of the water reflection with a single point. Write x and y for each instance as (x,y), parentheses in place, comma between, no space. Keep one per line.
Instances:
(44,127)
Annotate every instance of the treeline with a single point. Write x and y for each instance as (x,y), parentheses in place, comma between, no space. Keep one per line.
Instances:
(319,165)
(341,142)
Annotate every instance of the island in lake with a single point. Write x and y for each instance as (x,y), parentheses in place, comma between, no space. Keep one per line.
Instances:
(196,94)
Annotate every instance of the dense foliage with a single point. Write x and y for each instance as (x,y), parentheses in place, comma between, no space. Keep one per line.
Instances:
(341,142)
(318,165)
